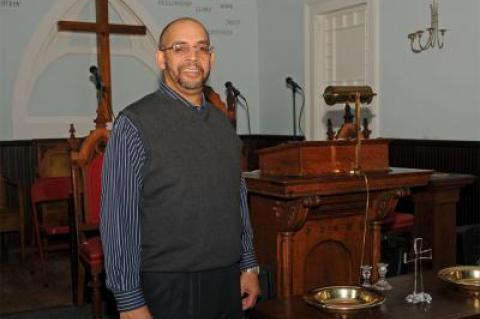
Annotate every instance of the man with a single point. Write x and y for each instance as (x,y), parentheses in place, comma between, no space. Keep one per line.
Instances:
(175,228)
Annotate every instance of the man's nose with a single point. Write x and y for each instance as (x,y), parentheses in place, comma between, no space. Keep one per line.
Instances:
(192,53)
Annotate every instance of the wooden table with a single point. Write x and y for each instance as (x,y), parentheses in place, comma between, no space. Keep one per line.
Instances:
(448,303)
(308,230)
(436,215)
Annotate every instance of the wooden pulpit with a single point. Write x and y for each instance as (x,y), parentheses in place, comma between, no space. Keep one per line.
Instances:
(308,211)
(323,158)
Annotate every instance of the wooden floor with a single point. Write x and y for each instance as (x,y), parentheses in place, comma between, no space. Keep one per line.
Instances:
(21,287)
(23,296)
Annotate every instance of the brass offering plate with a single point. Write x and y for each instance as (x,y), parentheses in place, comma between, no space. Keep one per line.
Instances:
(463,277)
(343,298)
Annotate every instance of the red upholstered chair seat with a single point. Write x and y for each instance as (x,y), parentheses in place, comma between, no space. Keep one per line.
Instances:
(91,251)
(399,222)
(52,189)
(397,231)
(56,230)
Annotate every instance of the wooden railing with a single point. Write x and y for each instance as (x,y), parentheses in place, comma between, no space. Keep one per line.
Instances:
(449,157)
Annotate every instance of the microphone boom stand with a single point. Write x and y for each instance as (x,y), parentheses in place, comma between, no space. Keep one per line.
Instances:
(294,92)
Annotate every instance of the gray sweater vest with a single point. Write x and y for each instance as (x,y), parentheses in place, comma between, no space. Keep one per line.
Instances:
(189,205)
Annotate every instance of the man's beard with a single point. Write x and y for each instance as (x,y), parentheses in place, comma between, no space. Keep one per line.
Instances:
(186,83)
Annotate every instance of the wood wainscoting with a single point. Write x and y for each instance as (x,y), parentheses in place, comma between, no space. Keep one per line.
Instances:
(19,158)
(19,162)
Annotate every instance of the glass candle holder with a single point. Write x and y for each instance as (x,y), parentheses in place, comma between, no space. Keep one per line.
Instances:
(366,273)
(382,283)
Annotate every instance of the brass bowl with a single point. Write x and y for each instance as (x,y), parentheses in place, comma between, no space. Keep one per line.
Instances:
(466,278)
(343,298)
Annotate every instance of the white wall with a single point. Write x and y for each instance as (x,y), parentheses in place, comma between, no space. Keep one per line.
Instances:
(434,94)
(44,73)
(281,54)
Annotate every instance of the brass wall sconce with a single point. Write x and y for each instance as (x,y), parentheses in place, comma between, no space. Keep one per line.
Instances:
(435,35)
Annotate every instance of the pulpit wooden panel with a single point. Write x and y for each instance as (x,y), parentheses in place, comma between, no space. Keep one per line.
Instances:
(332,252)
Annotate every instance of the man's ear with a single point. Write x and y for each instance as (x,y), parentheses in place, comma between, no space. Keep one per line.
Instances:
(212,60)
(160,58)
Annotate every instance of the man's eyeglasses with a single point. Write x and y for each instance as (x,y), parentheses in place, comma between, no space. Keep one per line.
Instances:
(185,48)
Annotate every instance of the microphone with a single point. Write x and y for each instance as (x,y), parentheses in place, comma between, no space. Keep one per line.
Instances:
(292,83)
(230,86)
(236,93)
(97,80)
(96,77)
(295,86)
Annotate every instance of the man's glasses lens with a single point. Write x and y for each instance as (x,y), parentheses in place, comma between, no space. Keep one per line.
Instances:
(183,48)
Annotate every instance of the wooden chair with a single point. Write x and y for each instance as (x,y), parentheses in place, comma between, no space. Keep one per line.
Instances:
(43,192)
(229,110)
(397,229)
(87,163)
(399,223)
(12,216)
(348,130)
(53,160)
(50,197)
(215,99)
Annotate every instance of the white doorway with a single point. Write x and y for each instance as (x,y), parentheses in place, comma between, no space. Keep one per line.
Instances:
(341,48)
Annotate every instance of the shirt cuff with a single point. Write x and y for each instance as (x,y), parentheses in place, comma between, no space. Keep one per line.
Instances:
(129,300)
(248,259)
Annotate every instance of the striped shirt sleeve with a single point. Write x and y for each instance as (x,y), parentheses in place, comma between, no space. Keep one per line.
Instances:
(119,226)
(248,258)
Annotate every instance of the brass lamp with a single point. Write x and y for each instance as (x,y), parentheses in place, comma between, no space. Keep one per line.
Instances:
(345,94)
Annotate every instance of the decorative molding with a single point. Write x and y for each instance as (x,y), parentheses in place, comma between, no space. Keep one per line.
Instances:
(315,129)
(386,202)
(291,216)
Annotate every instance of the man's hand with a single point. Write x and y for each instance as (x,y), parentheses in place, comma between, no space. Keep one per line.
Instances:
(250,288)
(139,313)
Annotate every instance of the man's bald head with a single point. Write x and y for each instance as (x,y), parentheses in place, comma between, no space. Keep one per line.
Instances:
(169,26)
(185,57)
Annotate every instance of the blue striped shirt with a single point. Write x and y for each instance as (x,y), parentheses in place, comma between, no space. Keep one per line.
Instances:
(119,226)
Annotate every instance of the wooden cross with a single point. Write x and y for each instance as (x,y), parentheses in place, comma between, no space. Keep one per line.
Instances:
(103,30)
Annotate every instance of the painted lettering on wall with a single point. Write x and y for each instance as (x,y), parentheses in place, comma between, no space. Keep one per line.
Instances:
(220,32)
(226,27)
(232,22)
(10,4)
(226,6)
(174,3)
(205,9)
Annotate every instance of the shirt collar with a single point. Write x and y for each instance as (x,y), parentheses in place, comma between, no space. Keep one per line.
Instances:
(164,88)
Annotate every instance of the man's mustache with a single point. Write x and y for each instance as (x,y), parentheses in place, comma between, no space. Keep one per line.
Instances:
(191,66)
